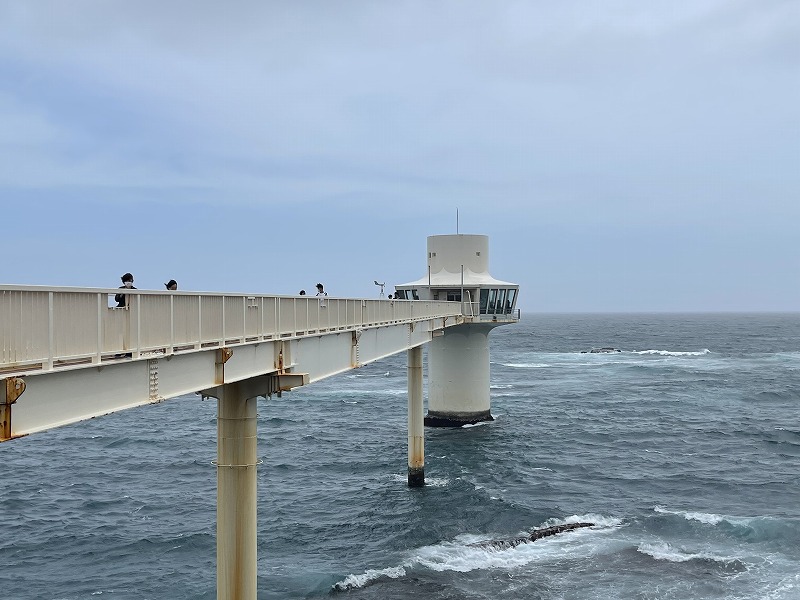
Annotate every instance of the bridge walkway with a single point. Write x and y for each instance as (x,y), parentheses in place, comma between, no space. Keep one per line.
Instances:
(66,354)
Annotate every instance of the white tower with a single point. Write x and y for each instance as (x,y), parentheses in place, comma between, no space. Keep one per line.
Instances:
(458,361)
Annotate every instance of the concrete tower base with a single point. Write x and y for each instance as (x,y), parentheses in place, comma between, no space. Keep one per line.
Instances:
(458,376)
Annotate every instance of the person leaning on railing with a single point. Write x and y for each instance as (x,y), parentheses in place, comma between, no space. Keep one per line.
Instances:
(127,283)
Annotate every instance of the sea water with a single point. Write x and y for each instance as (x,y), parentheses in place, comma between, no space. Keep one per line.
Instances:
(683,448)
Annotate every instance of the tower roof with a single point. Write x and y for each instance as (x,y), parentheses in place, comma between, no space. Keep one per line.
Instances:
(449,279)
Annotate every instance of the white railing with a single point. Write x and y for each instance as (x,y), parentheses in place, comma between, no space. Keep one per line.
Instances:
(473,310)
(47,328)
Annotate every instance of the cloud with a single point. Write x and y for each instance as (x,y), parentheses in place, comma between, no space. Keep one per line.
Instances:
(579,117)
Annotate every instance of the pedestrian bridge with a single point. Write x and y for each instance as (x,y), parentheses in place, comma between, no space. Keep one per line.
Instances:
(75,357)
(66,356)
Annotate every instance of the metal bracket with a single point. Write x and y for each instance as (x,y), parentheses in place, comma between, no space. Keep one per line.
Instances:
(223,354)
(262,385)
(12,388)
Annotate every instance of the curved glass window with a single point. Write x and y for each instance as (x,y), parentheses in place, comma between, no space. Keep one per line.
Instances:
(501,302)
(512,296)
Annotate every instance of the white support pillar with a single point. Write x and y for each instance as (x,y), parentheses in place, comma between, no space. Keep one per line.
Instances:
(416,416)
(236,494)
(458,376)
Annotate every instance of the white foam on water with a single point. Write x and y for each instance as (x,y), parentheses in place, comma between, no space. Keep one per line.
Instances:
(664,551)
(463,555)
(702,352)
(707,518)
(527,365)
(398,392)
(429,481)
(352,582)
(480,424)
(786,589)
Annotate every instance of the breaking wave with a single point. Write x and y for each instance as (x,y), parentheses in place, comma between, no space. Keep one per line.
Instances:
(664,551)
(462,555)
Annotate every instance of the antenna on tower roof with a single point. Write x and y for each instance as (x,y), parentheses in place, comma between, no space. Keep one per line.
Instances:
(456,219)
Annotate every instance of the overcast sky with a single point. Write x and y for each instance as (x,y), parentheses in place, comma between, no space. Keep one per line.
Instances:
(621,155)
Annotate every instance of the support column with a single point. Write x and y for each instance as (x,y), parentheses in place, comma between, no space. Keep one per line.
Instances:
(416,428)
(458,376)
(236,494)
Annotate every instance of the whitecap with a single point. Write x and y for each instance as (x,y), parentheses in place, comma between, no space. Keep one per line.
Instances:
(663,551)
(706,518)
(702,352)
(436,482)
(465,554)
(527,365)
(352,582)
(481,424)
(598,520)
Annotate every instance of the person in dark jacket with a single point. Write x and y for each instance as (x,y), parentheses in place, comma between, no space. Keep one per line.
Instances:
(127,283)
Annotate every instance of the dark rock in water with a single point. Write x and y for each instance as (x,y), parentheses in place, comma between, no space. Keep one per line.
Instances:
(604,350)
(535,535)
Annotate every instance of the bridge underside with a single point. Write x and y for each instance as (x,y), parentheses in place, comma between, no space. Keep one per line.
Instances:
(74,394)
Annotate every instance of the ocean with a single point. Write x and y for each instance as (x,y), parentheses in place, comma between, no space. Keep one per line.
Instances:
(683,449)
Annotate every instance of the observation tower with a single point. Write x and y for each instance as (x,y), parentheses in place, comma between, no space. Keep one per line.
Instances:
(458,359)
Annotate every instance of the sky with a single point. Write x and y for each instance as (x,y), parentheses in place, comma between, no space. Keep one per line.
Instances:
(622,156)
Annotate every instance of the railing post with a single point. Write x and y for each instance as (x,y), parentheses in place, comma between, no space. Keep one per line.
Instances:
(278,316)
(223,320)
(101,308)
(199,322)
(50,331)
(138,349)
(171,323)
(262,312)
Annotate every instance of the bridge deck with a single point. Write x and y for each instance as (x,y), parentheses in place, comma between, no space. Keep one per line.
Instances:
(99,359)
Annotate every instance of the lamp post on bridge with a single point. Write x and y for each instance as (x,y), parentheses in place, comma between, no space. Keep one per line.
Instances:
(381,285)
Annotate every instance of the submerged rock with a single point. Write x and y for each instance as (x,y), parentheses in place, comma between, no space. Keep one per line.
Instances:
(535,535)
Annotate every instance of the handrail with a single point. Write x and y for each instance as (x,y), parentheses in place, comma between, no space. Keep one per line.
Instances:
(45,328)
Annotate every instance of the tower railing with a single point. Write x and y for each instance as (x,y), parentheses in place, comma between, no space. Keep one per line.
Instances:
(42,329)
(473,310)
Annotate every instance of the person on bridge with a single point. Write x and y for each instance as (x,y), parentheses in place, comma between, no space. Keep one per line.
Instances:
(171,285)
(127,282)
(321,293)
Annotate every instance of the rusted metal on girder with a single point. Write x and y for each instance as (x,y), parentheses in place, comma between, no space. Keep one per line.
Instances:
(355,359)
(11,389)
(223,355)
